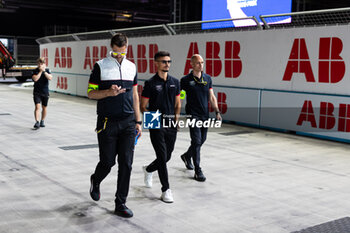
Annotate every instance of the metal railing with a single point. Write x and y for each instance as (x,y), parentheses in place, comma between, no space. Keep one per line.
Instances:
(309,18)
(288,20)
(213,25)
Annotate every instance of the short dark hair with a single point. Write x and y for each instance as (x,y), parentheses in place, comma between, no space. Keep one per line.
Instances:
(41,60)
(119,40)
(161,54)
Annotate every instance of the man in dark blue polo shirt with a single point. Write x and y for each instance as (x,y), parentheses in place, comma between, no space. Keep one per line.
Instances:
(41,77)
(199,92)
(162,93)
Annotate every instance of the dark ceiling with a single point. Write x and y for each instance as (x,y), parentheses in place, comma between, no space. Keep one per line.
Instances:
(37,18)
(45,17)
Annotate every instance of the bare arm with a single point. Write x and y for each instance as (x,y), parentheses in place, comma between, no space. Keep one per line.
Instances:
(214,104)
(114,90)
(177,107)
(144,103)
(136,106)
(42,70)
(36,77)
(47,75)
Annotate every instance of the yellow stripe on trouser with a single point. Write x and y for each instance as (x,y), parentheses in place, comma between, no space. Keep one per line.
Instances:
(92,87)
(104,126)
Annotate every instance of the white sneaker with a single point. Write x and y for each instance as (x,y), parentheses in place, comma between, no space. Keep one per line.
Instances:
(167,196)
(148,177)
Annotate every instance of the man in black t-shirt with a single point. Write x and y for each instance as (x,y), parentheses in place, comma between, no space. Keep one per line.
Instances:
(162,93)
(41,77)
(199,91)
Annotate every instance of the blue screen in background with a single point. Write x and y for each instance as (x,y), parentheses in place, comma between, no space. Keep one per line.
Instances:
(226,9)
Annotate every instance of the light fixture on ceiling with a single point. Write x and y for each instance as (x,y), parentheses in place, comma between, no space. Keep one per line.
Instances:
(123,16)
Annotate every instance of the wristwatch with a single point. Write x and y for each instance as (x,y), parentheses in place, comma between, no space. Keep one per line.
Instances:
(139,122)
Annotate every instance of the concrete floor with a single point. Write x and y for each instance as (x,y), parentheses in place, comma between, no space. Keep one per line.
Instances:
(257,181)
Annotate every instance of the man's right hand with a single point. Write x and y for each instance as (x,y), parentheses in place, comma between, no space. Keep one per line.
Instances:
(115,90)
(42,67)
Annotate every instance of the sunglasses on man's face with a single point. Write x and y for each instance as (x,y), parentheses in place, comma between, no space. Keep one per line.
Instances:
(118,53)
(165,61)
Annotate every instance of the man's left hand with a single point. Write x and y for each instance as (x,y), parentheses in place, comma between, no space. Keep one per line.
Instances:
(218,116)
(138,128)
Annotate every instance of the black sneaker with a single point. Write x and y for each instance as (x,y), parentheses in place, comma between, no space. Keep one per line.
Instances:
(123,211)
(199,176)
(94,189)
(42,124)
(36,125)
(187,162)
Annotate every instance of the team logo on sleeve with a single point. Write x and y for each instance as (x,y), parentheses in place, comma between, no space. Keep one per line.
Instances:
(151,120)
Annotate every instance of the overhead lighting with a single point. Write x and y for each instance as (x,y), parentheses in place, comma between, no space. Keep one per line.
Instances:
(123,16)
(127,15)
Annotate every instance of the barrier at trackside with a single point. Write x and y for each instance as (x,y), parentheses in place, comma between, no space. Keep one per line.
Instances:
(290,79)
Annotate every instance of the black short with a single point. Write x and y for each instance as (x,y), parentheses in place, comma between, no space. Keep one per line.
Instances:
(43,99)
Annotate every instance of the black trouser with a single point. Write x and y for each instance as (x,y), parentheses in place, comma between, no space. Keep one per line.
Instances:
(163,141)
(116,138)
(198,137)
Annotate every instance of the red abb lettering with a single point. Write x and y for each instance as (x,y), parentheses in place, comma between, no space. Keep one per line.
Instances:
(153,49)
(61,59)
(141,58)
(62,83)
(130,54)
(307,114)
(57,58)
(299,62)
(233,63)
(327,116)
(103,52)
(44,54)
(331,67)
(69,57)
(222,102)
(344,118)
(327,119)
(97,54)
(192,50)
(213,62)
(87,61)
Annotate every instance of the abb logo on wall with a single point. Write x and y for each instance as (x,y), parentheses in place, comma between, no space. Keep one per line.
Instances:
(63,57)
(92,56)
(328,117)
(62,83)
(144,58)
(331,66)
(213,62)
